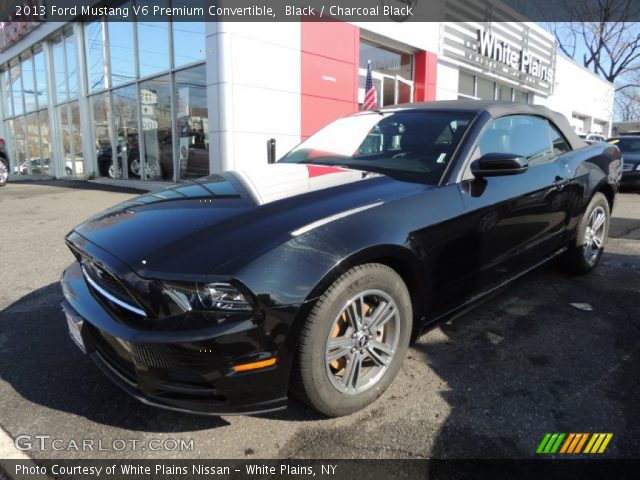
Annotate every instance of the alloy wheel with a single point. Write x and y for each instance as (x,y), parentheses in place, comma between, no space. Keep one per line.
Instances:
(362,342)
(150,171)
(594,234)
(4,173)
(115,172)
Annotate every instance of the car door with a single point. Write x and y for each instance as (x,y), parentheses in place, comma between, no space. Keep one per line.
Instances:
(511,222)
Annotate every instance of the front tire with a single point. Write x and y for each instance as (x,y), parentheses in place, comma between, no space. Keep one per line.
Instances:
(593,230)
(354,341)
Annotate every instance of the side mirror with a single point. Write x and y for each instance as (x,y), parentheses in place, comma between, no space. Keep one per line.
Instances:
(497,164)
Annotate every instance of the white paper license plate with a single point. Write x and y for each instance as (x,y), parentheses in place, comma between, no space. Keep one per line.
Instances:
(75,325)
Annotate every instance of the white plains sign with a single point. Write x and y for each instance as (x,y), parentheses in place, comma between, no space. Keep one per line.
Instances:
(489,46)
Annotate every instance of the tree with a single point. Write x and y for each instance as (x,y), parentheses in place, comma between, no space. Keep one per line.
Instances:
(627,104)
(604,34)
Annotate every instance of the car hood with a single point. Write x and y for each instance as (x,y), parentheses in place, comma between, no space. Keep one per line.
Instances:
(198,227)
(631,157)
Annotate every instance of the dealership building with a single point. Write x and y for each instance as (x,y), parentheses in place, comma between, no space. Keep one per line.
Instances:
(166,101)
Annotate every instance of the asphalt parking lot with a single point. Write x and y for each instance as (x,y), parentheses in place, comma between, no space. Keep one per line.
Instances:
(489,384)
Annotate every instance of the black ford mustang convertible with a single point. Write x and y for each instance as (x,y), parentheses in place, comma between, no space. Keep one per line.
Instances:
(312,275)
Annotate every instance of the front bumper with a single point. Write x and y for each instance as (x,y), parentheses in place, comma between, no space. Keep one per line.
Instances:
(185,370)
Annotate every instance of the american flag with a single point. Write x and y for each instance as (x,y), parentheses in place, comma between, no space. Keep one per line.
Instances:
(369,92)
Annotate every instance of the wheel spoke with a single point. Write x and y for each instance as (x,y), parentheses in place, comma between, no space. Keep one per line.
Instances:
(339,342)
(352,374)
(597,242)
(588,251)
(598,221)
(376,357)
(385,315)
(338,348)
(354,318)
(381,310)
(338,353)
(362,309)
(383,347)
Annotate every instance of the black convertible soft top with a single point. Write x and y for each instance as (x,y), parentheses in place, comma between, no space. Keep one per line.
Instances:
(497,109)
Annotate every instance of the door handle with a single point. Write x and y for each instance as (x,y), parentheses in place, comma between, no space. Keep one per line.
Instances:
(560,183)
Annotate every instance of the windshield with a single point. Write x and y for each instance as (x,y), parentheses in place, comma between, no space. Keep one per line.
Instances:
(408,145)
(629,145)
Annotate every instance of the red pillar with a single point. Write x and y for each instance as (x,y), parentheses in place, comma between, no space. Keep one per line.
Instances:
(329,77)
(426,71)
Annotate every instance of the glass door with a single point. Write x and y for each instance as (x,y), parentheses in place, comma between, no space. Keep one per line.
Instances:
(404,90)
(390,89)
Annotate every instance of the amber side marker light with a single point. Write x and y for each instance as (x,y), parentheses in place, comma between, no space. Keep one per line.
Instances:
(254,365)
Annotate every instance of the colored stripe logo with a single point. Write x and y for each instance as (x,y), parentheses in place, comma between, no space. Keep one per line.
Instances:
(573,443)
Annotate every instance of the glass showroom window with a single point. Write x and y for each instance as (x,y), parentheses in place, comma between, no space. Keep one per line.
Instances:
(131,70)
(95,45)
(16,86)
(25,98)
(125,120)
(155,99)
(466,85)
(7,95)
(7,103)
(122,52)
(153,42)
(485,89)
(392,73)
(103,133)
(478,88)
(188,43)
(520,97)
(69,121)
(28,82)
(67,110)
(192,118)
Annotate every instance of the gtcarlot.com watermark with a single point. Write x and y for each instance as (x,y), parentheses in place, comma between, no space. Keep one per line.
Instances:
(49,442)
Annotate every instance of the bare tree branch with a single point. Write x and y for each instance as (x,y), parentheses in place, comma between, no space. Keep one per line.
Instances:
(606,40)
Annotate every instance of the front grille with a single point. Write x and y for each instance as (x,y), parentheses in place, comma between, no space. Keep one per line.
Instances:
(108,286)
(627,167)
(155,355)
(106,281)
(115,354)
(174,379)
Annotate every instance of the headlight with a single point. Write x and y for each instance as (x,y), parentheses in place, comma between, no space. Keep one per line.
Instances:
(222,296)
(209,296)
(638,167)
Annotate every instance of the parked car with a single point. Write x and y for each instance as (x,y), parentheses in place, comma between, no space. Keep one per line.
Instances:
(194,159)
(128,150)
(313,274)
(592,137)
(194,156)
(106,168)
(630,148)
(38,166)
(4,163)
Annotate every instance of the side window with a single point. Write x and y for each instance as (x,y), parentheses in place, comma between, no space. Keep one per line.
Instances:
(558,142)
(523,135)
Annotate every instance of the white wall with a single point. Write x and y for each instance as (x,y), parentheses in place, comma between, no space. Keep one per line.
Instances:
(579,91)
(253,77)
(446,81)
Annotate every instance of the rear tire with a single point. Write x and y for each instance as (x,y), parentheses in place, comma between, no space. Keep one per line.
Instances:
(592,232)
(354,341)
